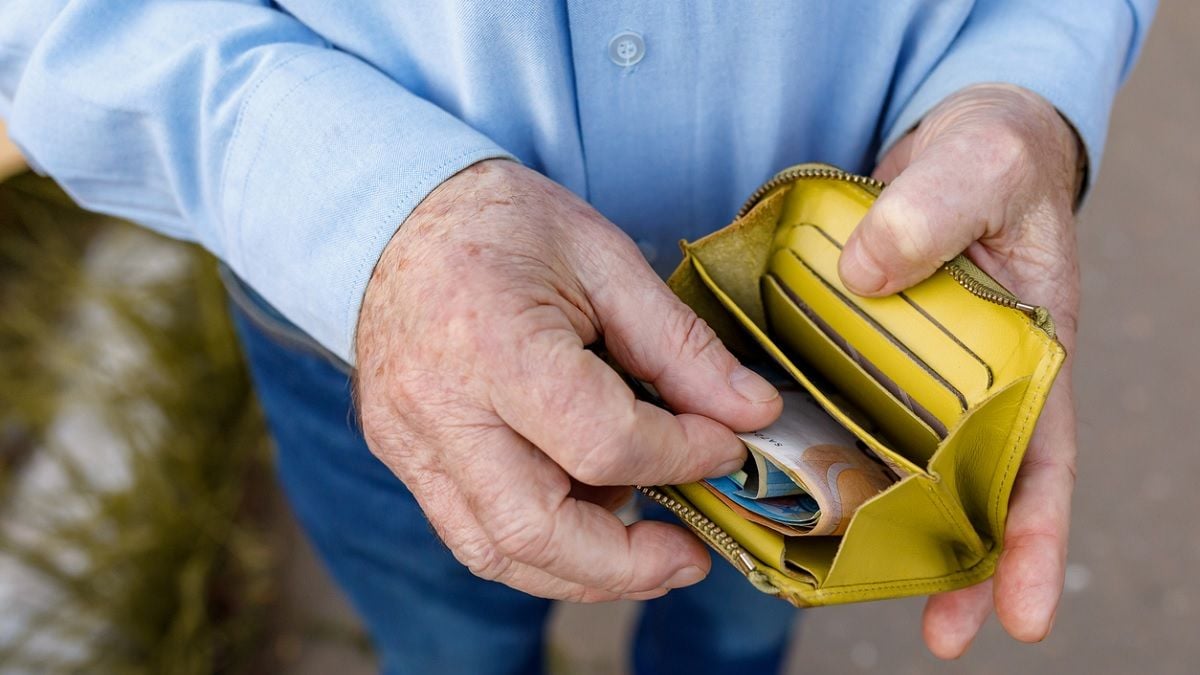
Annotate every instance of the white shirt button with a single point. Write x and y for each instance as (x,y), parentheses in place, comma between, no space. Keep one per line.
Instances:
(649,250)
(626,48)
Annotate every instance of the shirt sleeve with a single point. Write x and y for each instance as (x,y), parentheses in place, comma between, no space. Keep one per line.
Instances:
(1074,53)
(231,124)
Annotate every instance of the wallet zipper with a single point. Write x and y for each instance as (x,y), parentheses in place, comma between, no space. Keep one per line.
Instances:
(717,538)
(969,276)
(797,172)
(961,269)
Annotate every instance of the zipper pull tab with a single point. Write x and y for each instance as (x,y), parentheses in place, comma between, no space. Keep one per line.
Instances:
(1041,317)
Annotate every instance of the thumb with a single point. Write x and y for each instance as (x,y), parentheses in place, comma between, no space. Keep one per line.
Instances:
(930,213)
(660,340)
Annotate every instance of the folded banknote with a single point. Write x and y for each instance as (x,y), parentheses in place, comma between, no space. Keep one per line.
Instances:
(805,474)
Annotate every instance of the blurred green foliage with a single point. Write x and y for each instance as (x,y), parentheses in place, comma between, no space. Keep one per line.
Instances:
(172,570)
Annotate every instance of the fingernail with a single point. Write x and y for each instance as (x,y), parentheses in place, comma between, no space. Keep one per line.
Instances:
(752,386)
(858,272)
(684,577)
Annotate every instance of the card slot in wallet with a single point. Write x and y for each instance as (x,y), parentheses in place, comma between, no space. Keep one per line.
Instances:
(892,357)
(912,325)
(831,401)
(904,423)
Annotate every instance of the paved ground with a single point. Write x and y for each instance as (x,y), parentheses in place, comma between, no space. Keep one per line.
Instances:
(1133,597)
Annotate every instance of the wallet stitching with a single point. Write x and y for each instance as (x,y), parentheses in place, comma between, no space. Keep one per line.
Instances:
(979,569)
(967,574)
(986,565)
(1038,387)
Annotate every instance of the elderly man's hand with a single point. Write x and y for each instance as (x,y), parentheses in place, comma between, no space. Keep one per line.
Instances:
(476,389)
(992,171)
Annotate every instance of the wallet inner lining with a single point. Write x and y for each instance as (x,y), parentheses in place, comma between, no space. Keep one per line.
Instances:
(906,513)
(934,321)
(853,420)
(899,424)
(850,353)
(911,328)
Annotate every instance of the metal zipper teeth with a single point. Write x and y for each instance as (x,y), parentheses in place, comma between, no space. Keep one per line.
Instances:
(710,531)
(981,289)
(718,539)
(788,175)
(975,282)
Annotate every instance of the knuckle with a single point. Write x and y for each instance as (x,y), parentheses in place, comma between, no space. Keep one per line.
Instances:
(471,547)
(591,468)
(484,561)
(1006,149)
(524,537)
(694,336)
(595,464)
(902,223)
(1065,467)
(1035,542)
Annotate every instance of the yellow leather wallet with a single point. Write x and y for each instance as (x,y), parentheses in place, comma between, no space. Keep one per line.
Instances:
(942,383)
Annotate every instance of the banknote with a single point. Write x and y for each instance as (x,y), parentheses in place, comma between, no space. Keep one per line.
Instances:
(804,475)
(761,478)
(793,515)
(820,459)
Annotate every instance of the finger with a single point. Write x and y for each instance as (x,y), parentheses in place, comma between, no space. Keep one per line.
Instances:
(952,620)
(930,213)
(660,340)
(458,528)
(568,402)
(1029,577)
(520,499)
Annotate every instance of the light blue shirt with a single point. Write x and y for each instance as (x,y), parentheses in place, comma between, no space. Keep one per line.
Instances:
(292,138)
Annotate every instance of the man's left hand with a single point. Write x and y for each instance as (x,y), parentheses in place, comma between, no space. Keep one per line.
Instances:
(993,171)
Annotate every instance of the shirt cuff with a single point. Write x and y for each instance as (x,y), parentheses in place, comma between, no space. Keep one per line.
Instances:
(328,158)
(1075,60)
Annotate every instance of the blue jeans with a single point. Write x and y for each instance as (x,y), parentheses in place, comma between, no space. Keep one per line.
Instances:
(425,612)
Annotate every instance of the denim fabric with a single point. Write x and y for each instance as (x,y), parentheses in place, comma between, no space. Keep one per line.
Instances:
(425,612)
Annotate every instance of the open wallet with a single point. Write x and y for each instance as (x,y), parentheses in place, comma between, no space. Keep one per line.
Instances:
(941,385)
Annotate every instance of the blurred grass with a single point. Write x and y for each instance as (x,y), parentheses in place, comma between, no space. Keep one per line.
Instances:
(168,568)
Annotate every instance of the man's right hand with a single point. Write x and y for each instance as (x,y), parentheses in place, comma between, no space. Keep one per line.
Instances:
(476,390)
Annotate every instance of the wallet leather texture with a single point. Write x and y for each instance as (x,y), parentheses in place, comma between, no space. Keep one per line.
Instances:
(943,383)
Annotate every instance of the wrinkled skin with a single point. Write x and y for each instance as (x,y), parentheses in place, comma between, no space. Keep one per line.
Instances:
(992,170)
(476,389)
